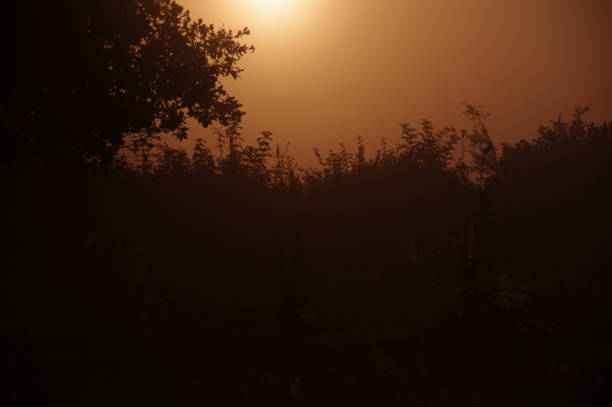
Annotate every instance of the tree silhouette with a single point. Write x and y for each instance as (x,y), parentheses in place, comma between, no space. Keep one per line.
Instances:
(552,213)
(177,249)
(89,73)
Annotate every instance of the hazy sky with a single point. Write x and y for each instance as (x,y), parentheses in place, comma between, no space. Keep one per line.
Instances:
(325,71)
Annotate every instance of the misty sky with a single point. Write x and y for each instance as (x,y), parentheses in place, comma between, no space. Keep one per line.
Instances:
(326,71)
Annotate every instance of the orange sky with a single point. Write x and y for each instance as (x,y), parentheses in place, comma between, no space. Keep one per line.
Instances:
(326,71)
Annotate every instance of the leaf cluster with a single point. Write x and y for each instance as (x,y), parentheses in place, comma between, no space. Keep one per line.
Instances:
(91,73)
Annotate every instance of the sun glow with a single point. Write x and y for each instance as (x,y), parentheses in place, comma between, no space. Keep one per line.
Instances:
(272,9)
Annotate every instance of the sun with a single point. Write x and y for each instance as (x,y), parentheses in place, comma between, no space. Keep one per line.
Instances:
(272,8)
(270,5)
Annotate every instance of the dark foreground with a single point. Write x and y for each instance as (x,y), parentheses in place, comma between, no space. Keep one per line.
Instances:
(439,366)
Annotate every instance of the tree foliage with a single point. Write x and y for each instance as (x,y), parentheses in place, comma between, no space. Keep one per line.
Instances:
(204,245)
(91,72)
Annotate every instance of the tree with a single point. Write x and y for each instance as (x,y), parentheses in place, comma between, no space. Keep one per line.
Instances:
(88,73)
(429,148)
(483,155)
(481,171)
(552,219)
